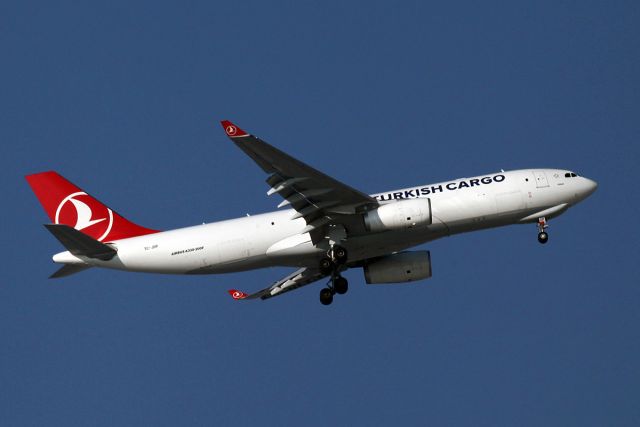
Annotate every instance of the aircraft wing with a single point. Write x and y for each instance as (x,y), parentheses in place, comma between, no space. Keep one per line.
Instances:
(295,280)
(318,198)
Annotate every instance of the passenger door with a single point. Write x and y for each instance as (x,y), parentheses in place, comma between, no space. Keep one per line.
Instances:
(541,179)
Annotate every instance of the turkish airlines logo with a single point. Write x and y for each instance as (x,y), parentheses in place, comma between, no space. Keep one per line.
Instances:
(72,210)
(231,130)
(237,294)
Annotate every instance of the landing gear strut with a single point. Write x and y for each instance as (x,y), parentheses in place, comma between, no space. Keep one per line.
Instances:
(542,235)
(337,256)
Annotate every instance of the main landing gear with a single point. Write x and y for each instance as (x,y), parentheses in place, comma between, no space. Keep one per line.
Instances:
(337,285)
(543,237)
(337,256)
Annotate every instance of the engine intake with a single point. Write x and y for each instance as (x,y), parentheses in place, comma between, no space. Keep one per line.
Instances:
(399,215)
(399,268)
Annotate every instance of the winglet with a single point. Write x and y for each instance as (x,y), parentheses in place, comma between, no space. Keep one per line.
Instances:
(232,130)
(237,295)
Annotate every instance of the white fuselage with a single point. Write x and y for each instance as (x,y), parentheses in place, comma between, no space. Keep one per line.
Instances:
(274,239)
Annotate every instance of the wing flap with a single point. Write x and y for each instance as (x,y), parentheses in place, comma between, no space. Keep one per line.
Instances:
(297,279)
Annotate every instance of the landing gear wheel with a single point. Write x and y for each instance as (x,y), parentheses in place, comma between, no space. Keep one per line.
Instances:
(339,254)
(326,266)
(542,235)
(326,296)
(340,285)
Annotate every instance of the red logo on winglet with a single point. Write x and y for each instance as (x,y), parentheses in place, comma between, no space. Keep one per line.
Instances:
(235,294)
(232,130)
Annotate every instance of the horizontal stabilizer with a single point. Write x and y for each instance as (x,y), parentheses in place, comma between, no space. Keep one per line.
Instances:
(79,244)
(68,270)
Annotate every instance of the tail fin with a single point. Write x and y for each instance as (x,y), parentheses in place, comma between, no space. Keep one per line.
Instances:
(67,204)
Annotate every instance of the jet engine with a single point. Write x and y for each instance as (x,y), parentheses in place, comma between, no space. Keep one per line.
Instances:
(399,215)
(399,267)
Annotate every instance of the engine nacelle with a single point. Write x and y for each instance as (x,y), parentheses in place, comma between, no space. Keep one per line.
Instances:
(399,215)
(398,268)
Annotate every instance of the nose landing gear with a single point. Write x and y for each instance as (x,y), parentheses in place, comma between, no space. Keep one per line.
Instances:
(337,256)
(543,237)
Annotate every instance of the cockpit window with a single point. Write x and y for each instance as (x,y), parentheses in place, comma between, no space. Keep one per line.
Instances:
(573,175)
(570,175)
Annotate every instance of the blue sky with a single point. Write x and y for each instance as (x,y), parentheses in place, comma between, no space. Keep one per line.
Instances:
(124,99)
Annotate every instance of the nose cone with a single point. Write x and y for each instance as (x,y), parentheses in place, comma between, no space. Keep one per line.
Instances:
(588,187)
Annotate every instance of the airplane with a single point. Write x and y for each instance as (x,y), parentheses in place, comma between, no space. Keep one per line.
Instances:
(322,226)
